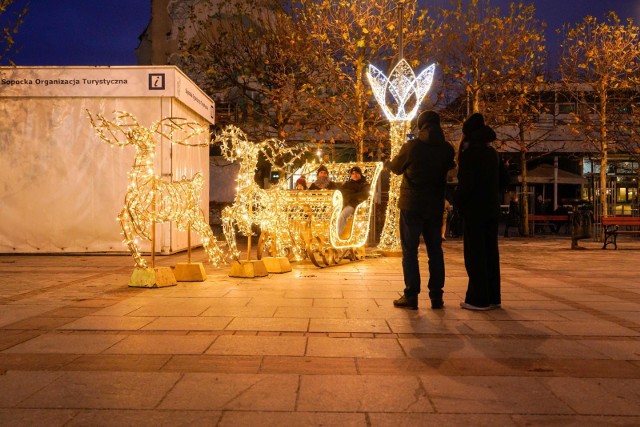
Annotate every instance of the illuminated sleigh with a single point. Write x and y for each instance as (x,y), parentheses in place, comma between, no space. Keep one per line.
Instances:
(312,219)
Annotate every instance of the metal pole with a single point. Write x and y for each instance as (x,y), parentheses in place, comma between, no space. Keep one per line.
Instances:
(189,243)
(555,182)
(400,27)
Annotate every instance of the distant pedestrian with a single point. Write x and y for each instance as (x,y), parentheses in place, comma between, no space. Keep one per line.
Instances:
(445,217)
(423,163)
(480,176)
(513,216)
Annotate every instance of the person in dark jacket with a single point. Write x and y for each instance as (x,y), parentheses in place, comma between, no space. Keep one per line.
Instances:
(322,181)
(423,163)
(354,192)
(478,199)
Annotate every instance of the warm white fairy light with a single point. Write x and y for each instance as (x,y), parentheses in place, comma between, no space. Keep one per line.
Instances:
(313,215)
(149,198)
(404,87)
(390,235)
(252,204)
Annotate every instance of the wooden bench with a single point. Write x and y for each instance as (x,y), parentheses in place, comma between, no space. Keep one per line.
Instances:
(549,220)
(612,226)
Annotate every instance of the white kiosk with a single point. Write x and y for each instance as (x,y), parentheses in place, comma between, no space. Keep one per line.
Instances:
(61,187)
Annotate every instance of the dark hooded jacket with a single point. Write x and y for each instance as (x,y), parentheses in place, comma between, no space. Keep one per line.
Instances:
(423,163)
(479,173)
(355,192)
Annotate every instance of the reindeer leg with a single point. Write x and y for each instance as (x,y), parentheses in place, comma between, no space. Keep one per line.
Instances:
(126,222)
(230,233)
(209,241)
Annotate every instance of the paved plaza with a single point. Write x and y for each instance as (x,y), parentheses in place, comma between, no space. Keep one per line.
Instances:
(323,347)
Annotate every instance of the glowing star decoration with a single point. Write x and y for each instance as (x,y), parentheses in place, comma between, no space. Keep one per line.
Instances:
(402,84)
(254,205)
(404,87)
(151,199)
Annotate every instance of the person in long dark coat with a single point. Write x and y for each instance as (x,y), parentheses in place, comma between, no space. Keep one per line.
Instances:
(477,197)
(423,163)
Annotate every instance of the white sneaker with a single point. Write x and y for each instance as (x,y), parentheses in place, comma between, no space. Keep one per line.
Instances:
(474,307)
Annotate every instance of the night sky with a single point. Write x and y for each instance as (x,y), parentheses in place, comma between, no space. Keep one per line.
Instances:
(105,32)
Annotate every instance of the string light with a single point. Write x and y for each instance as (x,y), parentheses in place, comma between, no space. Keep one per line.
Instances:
(403,85)
(149,198)
(313,215)
(252,204)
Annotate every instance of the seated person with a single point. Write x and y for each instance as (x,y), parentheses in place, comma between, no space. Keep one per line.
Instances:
(354,191)
(322,181)
(301,184)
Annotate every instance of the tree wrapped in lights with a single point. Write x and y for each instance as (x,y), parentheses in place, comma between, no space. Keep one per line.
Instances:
(149,198)
(404,87)
(252,204)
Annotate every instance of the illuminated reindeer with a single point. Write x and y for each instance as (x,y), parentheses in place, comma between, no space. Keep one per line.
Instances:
(252,204)
(151,199)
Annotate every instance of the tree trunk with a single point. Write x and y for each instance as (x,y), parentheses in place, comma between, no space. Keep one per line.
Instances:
(358,138)
(525,183)
(604,148)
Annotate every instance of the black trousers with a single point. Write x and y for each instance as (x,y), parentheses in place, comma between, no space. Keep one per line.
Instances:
(482,261)
(412,225)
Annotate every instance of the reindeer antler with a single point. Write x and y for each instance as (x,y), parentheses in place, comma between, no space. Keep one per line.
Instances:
(231,140)
(281,155)
(179,130)
(112,132)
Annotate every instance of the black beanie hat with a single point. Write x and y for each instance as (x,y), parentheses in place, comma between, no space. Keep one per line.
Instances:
(473,123)
(322,168)
(428,117)
(357,169)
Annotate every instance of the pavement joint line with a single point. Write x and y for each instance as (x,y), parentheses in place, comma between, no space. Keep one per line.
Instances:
(576,304)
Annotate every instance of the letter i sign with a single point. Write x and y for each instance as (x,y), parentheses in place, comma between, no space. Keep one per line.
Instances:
(156,81)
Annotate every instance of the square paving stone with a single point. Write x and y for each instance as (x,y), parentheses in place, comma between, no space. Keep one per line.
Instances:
(258,345)
(356,393)
(598,396)
(162,344)
(67,343)
(103,390)
(492,395)
(229,391)
(353,347)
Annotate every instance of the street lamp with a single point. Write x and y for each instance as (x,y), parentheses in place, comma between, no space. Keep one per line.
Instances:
(403,85)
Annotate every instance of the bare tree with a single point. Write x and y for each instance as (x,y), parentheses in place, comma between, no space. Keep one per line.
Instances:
(493,61)
(253,54)
(11,17)
(598,59)
(481,48)
(354,34)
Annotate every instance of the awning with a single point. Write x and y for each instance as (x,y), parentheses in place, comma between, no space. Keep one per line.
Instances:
(543,174)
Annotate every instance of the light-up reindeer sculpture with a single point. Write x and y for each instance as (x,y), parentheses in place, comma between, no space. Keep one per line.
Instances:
(151,199)
(252,204)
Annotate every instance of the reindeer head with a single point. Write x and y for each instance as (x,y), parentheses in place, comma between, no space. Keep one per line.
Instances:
(142,138)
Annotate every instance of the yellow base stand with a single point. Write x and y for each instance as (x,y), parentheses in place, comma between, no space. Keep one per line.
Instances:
(390,254)
(190,272)
(158,277)
(278,264)
(248,269)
